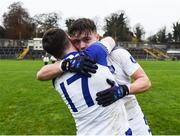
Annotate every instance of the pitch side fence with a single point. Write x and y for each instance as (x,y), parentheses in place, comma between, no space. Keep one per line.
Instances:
(10,49)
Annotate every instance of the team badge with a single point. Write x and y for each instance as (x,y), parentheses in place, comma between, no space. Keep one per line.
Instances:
(132,59)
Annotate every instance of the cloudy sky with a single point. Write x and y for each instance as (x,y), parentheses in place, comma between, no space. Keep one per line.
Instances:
(151,14)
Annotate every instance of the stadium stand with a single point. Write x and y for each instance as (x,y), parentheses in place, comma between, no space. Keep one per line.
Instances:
(157,53)
(9,49)
(139,53)
(147,51)
(35,49)
(35,54)
(175,54)
(173,50)
(32,49)
(23,53)
(20,49)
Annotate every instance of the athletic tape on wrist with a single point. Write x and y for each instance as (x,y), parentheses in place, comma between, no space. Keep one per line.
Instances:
(128,85)
(60,65)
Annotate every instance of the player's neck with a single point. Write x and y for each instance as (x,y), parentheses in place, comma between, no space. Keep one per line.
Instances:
(70,49)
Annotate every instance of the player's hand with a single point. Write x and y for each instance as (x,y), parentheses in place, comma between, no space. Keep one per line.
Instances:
(81,64)
(110,95)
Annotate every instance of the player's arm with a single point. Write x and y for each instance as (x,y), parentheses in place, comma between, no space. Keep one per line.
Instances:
(98,51)
(141,82)
(79,64)
(109,43)
(48,72)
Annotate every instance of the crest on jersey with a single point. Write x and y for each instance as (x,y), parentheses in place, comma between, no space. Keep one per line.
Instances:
(132,59)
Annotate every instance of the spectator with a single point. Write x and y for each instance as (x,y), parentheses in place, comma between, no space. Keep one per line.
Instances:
(53,59)
(45,59)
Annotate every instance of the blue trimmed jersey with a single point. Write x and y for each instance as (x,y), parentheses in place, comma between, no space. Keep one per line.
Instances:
(123,66)
(79,94)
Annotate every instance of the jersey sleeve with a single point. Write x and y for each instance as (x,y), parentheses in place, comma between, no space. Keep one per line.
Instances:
(98,52)
(127,62)
(108,48)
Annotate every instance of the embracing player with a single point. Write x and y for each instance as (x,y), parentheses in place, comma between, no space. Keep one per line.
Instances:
(124,67)
(79,91)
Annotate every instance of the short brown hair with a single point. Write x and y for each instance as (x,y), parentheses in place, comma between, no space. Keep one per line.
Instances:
(55,41)
(82,25)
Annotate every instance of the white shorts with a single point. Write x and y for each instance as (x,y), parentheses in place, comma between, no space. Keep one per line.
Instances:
(136,118)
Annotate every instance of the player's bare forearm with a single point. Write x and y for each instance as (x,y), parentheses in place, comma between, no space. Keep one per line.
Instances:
(141,82)
(81,64)
(48,72)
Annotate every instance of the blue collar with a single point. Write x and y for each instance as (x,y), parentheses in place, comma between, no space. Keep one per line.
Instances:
(70,54)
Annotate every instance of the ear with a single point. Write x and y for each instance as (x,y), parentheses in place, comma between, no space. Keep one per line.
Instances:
(97,36)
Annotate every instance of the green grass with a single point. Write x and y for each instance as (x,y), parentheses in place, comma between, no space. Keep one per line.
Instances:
(28,106)
(161,104)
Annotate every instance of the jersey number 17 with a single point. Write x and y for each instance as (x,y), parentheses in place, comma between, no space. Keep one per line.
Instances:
(85,91)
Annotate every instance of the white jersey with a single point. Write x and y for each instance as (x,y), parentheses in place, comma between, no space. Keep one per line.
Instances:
(79,93)
(124,66)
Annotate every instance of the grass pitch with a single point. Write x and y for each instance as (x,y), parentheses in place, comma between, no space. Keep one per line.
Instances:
(28,106)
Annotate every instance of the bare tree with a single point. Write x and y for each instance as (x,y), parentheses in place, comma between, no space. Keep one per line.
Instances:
(17,22)
(46,21)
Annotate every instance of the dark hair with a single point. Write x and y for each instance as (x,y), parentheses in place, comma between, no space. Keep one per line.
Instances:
(55,41)
(82,25)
